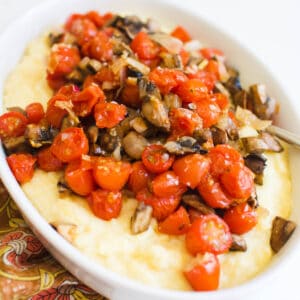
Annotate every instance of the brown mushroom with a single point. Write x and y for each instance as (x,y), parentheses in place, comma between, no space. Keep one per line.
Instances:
(183,145)
(282,230)
(256,162)
(219,136)
(195,202)
(134,144)
(39,134)
(141,218)
(238,243)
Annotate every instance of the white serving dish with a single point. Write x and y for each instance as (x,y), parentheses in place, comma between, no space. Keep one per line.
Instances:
(51,13)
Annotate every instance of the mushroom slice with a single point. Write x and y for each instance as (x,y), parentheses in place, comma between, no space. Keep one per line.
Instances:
(67,230)
(256,162)
(183,145)
(141,219)
(14,143)
(62,186)
(134,144)
(195,202)
(219,136)
(139,124)
(147,88)
(172,44)
(39,135)
(238,243)
(282,230)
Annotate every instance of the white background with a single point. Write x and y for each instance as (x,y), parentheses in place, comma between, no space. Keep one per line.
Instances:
(271,29)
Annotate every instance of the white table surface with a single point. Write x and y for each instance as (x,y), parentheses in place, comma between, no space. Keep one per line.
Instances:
(271,30)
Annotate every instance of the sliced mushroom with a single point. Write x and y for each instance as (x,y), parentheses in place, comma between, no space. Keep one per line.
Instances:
(172,101)
(131,72)
(147,88)
(256,162)
(238,243)
(76,76)
(183,145)
(139,124)
(55,38)
(39,135)
(219,136)
(253,200)
(62,186)
(109,140)
(92,133)
(204,138)
(195,202)
(67,230)
(89,66)
(172,44)
(282,230)
(141,219)
(241,99)
(171,61)
(156,113)
(134,144)
(15,144)
(233,85)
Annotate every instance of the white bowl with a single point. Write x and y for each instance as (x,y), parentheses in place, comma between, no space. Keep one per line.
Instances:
(54,12)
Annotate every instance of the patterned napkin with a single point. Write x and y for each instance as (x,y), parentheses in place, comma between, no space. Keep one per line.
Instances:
(27,270)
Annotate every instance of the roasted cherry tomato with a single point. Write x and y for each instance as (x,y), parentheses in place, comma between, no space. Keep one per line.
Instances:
(192,90)
(221,99)
(185,56)
(144,47)
(70,144)
(12,124)
(175,224)
(213,194)
(162,206)
(22,166)
(139,177)
(237,181)
(80,180)
(191,168)
(35,112)
(209,111)
(167,184)
(166,79)
(54,114)
(97,19)
(208,233)
(210,53)
(156,159)
(181,33)
(47,161)
(184,122)
(130,96)
(105,205)
(109,114)
(241,218)
(207,78)
(110,174)
(217,68)
(203,272)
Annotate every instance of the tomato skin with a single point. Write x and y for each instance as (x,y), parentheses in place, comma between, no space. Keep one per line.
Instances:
(181,33)
(185,56)
(144,47)
(210,53)
(130,96)
(22,166)
(47,161)
(221,99)
(191,168)
(110,174)
(162,206)
(97,19)
(241,218)
(213,194)
(12,124)
(167,184)
(207,78)
(35,112)
(156,159)
(70,144)
(166,79)
(175,224)
(209,111)
(208,233)
(139,177)
(204,273)
(109,114)
(80,181)
(192,90)
(238,181)
(106,205)
(54,115)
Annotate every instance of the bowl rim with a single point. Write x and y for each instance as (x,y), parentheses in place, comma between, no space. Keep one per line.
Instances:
(56,242)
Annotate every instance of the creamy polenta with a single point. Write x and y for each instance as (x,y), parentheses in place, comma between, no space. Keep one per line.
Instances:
(152,258)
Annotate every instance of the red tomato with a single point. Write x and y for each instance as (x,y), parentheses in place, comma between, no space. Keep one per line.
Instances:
(110,174)
(85,101)
(105,205)
(180,33)
(162,206)
(166,79)
(63,59)
(167,184)
(184,122)
(97,19)
(203,273)
(35,112)
(22,166)
(208,111)
(156,159)
(222,156)
(68,90)
(207,78)
(12,124)
(217,68)
(54,115)
(47,161)
(175,224)
(80,181)
(213,194)
(210,53)
(192,90)
(237,181)
(185,56)
(130,96)
(241,218)
(139,177)
(99,47)
(109,114)
(105,74)
(208,233)
(70,144)
(221,99)
(191,168)
(144,47)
